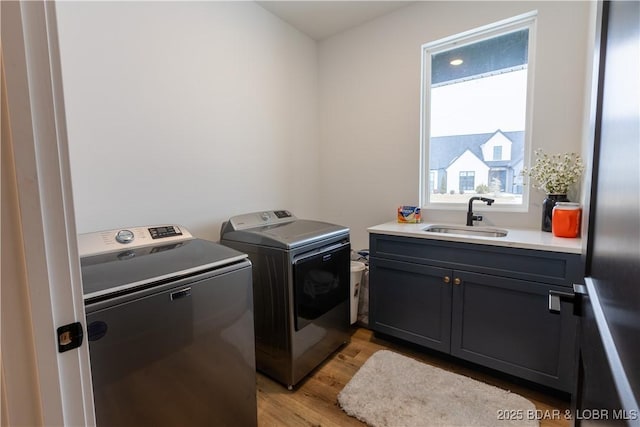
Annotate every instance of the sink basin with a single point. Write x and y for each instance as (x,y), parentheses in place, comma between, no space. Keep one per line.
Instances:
(466,230)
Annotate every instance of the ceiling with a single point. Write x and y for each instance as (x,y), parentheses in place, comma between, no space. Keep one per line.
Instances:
(322,19)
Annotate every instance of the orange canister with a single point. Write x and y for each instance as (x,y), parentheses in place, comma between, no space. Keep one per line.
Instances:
(565,219)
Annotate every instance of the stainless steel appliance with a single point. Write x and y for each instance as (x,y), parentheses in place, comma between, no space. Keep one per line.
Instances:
(301,289)
(170,329)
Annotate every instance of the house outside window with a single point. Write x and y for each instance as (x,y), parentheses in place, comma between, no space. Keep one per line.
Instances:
(475,114)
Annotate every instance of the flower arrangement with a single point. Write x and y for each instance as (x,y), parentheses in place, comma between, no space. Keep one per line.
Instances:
(555,173)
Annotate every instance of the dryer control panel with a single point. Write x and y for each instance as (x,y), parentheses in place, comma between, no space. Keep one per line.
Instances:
(260,219)
(128,238)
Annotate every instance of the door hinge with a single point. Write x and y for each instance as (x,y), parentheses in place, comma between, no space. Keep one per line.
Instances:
(70,337)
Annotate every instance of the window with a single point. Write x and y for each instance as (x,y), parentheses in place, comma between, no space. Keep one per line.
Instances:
(497,153)
(475,114)
(432,181)
(467,181)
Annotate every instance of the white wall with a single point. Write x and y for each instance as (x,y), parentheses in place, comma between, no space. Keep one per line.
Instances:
(187,112)
(370,101)
(191,112)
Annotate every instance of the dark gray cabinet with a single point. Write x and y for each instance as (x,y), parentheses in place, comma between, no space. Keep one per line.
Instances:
(484,304)
(412,302)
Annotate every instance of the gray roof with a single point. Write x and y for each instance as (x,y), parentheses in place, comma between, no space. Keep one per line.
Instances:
(445,149)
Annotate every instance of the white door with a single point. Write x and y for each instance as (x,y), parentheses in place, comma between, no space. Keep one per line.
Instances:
(41,286)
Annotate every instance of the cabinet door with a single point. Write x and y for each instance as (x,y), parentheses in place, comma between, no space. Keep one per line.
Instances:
(505,324)
(411,301)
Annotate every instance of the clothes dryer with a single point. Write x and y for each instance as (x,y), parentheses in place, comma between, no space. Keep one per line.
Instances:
(301,280)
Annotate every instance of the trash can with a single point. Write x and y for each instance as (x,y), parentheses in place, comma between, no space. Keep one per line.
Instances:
(363,305)
(357,268)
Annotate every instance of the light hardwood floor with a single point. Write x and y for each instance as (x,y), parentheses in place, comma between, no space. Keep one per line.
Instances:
(314,401)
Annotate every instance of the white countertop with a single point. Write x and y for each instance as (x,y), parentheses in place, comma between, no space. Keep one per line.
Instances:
(516,238)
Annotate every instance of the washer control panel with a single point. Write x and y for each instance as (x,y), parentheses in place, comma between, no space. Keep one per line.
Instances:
(260,219)
(129,238)
(164,232)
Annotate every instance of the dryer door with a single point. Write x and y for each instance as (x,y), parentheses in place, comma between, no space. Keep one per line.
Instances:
(321,282)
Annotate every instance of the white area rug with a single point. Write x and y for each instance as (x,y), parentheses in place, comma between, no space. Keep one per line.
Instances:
(396,391)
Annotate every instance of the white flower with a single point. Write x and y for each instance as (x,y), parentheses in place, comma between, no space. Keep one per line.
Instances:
(555,173)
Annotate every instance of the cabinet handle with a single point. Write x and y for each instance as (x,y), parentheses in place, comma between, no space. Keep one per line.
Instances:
(457,281)
(555,297)
(446,279)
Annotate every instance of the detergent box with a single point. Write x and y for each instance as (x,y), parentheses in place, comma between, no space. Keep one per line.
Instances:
(408,214)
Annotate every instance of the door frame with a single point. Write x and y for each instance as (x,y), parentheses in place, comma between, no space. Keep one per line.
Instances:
(44,233)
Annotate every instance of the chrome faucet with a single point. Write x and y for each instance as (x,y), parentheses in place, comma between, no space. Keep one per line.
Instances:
(470,216)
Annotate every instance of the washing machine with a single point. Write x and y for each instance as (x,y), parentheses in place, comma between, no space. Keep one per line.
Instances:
(301,279)
(170,328)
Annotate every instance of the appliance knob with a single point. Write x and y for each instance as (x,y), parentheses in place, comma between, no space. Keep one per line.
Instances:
(265,216)
(124,236)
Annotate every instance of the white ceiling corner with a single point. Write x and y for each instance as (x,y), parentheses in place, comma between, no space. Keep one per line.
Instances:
(322,19)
